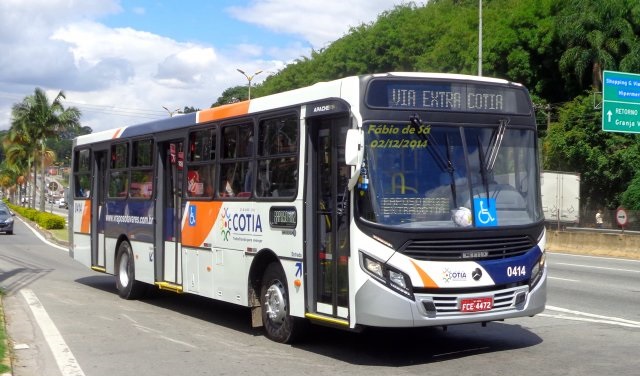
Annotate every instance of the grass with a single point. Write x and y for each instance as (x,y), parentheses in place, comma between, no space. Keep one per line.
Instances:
(4,350)
(61,234)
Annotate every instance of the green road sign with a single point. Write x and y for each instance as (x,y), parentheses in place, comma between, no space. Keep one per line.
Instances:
(621,102)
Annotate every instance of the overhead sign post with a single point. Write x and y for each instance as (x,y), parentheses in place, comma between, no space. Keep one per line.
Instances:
(620,102)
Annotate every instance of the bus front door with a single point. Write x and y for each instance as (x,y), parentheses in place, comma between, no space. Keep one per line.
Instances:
(98,210)
(331,250)
(168,261)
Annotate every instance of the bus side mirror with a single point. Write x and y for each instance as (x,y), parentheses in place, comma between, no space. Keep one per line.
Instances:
(354,153)
(353,148)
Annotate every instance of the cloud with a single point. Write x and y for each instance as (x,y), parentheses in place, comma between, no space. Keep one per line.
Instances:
(317,21)
(119,76)
(188,66)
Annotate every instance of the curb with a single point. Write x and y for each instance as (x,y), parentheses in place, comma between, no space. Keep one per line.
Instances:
(7,343)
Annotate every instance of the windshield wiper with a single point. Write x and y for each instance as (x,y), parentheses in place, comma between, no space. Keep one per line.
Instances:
(483,168)
(495,142)
(444,164)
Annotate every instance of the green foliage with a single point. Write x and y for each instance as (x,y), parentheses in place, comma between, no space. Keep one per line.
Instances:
(232,95)
(45,220)
(606,161)
(50,221)
(631,197)
(597,35)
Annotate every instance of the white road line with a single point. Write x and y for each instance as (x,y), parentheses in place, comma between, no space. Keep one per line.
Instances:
(595,257)
(563,279)
(597,267)
(589,317)
(67,363)
(42,237)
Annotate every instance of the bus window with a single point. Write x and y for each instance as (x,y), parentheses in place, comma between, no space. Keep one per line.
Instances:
(119,156)
(200,180)
(141,184)
(82,174)
(236,168)
(202,145)
(118,184)
(278,158)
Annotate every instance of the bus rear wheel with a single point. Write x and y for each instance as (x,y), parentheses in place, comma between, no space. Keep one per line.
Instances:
(128,287)
(274,298)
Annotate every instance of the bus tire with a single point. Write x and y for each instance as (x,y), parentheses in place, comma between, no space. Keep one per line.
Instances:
(274,301)
(128,287)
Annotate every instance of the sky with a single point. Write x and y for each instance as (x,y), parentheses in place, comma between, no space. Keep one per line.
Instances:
(124,62)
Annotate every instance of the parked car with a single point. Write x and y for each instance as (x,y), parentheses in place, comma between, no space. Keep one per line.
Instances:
(3,205)
(62,203)
(6,220)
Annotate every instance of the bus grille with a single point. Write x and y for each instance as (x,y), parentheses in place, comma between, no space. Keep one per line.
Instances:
(467,249)
(448,304)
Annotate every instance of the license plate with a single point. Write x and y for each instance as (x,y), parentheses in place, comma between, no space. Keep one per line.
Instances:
(476,304)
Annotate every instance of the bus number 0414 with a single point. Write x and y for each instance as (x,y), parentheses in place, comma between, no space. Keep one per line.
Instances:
(516,271)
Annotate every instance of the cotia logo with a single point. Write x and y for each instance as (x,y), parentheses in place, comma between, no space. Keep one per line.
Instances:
(476,274)
(453,275)
(239,223)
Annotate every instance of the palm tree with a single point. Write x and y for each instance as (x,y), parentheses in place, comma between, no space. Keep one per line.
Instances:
(38,120)
(598,35)
(18,157)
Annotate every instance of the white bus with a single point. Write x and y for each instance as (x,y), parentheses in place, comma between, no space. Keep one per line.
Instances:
(383,200)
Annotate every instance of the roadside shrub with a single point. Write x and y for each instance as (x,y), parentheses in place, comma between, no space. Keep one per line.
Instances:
(50,221)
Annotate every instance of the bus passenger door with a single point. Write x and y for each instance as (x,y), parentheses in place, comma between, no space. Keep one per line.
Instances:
(98,211)
(169,214)
(328,178)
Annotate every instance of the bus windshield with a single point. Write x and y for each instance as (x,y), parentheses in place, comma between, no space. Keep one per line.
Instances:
(416,175)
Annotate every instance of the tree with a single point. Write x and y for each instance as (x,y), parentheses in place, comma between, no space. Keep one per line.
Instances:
(598,35)
(37,120)
(232,95)
(606,161)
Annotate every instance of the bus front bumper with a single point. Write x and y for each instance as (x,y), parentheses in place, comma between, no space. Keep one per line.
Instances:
(378,306)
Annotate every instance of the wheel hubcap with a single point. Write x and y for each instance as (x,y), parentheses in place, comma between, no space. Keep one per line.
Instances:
(275,302)
(123,269)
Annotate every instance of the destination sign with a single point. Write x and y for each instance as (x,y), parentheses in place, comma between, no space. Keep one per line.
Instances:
(447,96)
(283,216)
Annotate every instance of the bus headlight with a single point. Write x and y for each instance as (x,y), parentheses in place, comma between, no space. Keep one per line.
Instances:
(387,275)
(373,267)
(536,271)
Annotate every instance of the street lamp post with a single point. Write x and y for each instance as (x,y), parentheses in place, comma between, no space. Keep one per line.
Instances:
(249,78)
(171,113)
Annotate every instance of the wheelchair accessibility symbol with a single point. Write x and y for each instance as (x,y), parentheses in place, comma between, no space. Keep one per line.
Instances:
(485,212)
(192,215)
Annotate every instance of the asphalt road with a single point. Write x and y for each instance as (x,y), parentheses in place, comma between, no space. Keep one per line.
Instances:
(591,327)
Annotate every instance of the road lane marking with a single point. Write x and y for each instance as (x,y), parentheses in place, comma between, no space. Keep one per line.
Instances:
(67,363)
(597,267)
(563,279)
(42,237)
(594,257)
(588,317)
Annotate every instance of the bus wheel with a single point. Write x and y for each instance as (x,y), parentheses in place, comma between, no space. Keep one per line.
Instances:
(128,287)
(274,299)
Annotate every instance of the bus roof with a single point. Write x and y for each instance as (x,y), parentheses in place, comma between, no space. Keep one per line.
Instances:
(341,88)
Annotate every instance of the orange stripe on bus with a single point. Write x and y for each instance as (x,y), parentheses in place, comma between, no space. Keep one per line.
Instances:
(117,133)
(426,280)
(206,215)
(85,224)
(222,112)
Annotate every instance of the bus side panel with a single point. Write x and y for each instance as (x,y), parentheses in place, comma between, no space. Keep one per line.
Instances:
(82,249)
(81,241)
(110,250)
(170,267)
(144,266)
